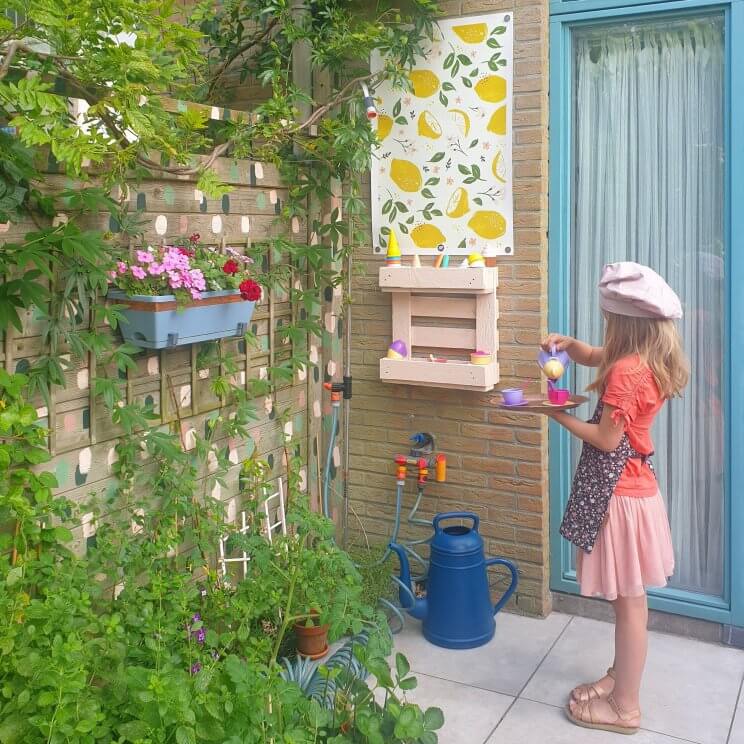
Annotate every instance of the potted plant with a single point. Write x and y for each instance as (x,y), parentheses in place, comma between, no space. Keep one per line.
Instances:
(180,294)
(312,635)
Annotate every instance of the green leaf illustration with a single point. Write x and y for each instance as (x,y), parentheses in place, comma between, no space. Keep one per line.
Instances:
(446,85)
(401,120)
(467,82)
(463,169)
(387,206)
(431,181)
(437,157)
(426,193)
(493,44)
(499,30)
(401,207)
(443,99)
(464,59)
(473,144)
(396,108)
(449,59)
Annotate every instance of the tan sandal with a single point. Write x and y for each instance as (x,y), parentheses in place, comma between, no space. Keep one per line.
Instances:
(590,691)
(620,725)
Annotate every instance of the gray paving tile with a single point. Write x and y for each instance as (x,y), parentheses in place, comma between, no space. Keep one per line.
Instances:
(470,714)
(535,723)
(689,688)
(504,665)
(737,730)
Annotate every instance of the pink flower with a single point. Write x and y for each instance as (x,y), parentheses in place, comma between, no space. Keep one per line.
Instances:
(486,145)
(112,274)
(122,267)
(138,272)
(197,279)
(175,280)
(155,269)
(195,294)
(145,257)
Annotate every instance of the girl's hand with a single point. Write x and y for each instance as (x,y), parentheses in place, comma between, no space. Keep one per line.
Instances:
(561,343)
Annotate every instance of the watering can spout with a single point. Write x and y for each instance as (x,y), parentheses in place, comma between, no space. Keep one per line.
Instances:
(408,601)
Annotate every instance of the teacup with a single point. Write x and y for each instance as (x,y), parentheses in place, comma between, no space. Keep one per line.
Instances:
(513,396)
(558,396)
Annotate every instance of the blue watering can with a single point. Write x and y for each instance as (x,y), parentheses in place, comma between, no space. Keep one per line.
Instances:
(457,611)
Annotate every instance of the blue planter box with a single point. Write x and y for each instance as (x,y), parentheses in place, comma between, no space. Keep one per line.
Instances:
(158,322)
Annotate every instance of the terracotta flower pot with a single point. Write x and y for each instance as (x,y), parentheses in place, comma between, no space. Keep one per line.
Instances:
(312,641)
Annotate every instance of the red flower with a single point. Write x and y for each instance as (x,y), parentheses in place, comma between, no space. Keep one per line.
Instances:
(249,290)
(230,266)
(194,238)
(185,251)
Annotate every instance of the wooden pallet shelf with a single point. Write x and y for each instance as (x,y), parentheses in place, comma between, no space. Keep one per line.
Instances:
(444,313)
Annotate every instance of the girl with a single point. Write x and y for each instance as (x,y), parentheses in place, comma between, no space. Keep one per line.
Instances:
(616,515)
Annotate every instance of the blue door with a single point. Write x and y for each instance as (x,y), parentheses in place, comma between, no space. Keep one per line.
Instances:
(647,161)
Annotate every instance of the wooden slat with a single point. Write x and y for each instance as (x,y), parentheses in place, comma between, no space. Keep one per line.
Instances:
(426,279)
(485,323)
(402,319)
(443,338)
(434,374)
(442,307)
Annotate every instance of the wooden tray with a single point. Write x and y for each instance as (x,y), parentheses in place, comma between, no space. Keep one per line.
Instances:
(540,404)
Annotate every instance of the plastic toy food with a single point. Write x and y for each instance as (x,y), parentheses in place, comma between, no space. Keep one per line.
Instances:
(553,369)
(475,260)
(393,252)
(480,357)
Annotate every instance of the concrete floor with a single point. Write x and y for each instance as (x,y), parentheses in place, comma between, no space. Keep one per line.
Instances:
(512,691)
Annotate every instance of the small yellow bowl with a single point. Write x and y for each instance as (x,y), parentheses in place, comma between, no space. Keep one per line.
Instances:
(480,357)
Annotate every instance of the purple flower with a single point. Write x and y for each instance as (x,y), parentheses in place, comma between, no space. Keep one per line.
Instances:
(138,272)
(196,668)
(200,636)
(145,257)
(196,618)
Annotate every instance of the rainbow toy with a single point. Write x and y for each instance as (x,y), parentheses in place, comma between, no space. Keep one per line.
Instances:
(393,252)
(397,350)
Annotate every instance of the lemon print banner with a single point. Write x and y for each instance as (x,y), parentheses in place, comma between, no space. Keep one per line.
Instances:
(442,173)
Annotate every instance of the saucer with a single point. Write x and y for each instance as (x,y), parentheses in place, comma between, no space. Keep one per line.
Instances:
(516,405)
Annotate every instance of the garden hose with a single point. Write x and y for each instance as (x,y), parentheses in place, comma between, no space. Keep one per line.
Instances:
(412,519)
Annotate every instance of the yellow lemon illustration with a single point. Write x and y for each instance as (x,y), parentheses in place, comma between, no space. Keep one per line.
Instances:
(487,224)
(497,124)
(491,89)
(458,203)
(405,175)
(427,236)
(428,126)
(472,33)
(461,120)
(425,83)
(497,167)
(384,126)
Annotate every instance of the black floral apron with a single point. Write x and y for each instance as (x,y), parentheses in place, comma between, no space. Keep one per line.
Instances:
(594,483)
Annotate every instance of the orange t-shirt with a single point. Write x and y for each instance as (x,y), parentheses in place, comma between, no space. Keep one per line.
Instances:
(632,390)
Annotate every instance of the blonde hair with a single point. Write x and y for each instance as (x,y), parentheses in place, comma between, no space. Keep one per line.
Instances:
(658,344)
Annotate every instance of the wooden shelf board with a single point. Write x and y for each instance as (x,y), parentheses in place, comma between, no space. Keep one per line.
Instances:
(478,377)
(426,278)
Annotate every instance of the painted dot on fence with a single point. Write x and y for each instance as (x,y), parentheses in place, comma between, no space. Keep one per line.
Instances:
(216,224)
(303,479)
(301,373)
(313,353)
(183,224)
(161,224)
(263,373)
(141,200)
(226,204)
(214,113)
(245,224)
(68,423)
(259,171)
(234,172)
(288,430)
(212,463)
(232,510)
(88,525)
(316,375)
(59,219)
(270,460)
(198,195)
(261,200)
(86,419)
(153,365)
(217,492)
(22,366)
(314,238)
(42,412)
(295,225)
(203,205)
(85,458)
(62,472)
(316,409)
(273,196)
(111,458)
(203,374)
(169,195)
(233,456)
(336,456)
(83,379)
(330,322)
(268,404)
(189,439)
(184,396)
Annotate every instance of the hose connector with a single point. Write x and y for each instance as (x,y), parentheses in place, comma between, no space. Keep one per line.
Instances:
(369,103)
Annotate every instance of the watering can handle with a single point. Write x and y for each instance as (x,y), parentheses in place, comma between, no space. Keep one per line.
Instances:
(456,515)
(512,586)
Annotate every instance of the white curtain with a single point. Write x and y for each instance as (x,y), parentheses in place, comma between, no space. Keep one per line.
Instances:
(648,186)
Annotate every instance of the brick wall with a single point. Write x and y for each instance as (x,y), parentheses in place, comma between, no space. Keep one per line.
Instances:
(497,462)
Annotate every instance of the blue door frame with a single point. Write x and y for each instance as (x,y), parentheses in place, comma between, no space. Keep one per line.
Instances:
(566,15)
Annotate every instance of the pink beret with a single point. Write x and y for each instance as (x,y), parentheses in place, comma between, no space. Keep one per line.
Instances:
(628,288)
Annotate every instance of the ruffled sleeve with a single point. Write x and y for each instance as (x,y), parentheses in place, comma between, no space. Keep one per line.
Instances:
(629,389)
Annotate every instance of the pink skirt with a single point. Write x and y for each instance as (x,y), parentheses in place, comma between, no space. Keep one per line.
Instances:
(633,551)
